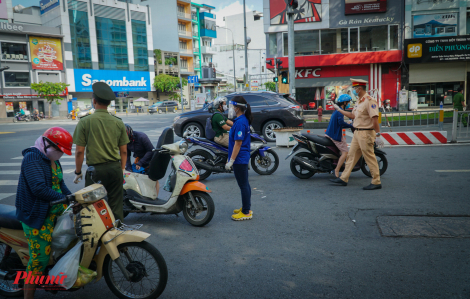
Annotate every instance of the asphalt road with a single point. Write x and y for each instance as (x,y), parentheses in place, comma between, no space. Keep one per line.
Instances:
(302,241)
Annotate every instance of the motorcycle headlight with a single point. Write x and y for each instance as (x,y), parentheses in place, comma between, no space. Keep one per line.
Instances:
(95,195)
(183,147)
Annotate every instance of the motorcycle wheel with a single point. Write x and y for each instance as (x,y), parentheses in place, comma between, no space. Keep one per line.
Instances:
(7,288)
(146,263)
(298,170)
(15,120)
(261,164)
(204,204)
(381,160)
(201,156)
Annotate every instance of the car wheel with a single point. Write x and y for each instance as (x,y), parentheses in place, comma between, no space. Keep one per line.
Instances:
(268,130)
(194,130)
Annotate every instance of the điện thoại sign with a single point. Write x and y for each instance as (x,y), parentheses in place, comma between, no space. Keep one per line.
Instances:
(445,49)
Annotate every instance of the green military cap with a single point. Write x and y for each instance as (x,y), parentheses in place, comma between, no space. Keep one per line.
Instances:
(103,91)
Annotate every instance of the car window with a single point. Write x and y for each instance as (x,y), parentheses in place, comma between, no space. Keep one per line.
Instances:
(272,102)
(255,100)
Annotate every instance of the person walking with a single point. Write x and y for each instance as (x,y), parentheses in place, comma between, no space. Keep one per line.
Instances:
(105,140)
(459,103)
(335,128)
(41,182)
(367,131)
(239,153)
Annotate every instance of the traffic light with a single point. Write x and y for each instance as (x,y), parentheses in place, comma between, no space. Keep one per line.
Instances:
(276,79)
(270,62)
(294,4)
(285,77)
(278,63)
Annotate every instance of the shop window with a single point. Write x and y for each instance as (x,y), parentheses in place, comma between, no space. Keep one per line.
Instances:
(112,44)
(468,23)
(393,37)
(353,39)
(273,44)
(14,51)
(80,39)
(307,42)
(374,38)
(344,41)
(139,38)
(285,43)
(328,41)
(16,79)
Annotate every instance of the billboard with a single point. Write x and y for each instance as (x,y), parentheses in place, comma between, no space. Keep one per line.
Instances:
(47,5)
(435,25)
(46,53)
(444,49)
(364,6)
(118,80)
(308,11)
(3,9)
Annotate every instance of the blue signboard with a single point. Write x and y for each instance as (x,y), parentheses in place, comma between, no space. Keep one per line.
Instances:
(118,80)
(193,79)
(47,5)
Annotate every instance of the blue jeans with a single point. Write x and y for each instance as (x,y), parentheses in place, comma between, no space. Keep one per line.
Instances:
(241,174)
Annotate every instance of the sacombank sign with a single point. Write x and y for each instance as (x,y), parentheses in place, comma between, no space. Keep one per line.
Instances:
(118,80)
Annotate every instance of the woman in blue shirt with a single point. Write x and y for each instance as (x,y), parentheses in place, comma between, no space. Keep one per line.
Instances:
(335,128)
(239,153)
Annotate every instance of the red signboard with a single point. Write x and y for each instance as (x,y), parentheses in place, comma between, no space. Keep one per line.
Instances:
(364,6)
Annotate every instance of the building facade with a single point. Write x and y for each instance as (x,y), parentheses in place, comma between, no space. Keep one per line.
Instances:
(32,54)
(109,41)
(436,52)
(334,43)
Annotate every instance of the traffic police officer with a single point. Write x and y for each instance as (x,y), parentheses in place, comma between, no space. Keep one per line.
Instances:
(105,139)
(367,131)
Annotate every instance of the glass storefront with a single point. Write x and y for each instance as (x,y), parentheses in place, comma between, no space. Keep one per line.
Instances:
(112,44)
(80,36)
(431,94)
(14,107)
(139,38)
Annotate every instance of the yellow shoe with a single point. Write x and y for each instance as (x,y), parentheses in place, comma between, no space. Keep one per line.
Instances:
(240,216)
(239,211)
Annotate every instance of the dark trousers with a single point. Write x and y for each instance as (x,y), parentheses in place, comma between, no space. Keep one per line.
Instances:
(241,174)
(111,177)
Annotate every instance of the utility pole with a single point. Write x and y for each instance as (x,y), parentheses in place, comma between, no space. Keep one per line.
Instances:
(246,47)
(290,38)
(181,95)
(275,72)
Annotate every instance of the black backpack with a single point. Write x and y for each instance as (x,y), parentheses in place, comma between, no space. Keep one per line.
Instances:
(210,133)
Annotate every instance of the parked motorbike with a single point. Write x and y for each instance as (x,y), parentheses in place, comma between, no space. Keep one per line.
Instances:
(323,155)
(19,117)
(41,115)
(213,157)
(132,267)
(188,195)
(36,117)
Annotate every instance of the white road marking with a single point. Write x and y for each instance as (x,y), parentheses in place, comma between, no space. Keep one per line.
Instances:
(8,183)
(9,172)
(18,158)
(69,170)
(456,170)
(5,195)
(19,164)
(63,157)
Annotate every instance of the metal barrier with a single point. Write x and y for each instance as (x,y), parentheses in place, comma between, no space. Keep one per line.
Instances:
(460,126)
(412,118)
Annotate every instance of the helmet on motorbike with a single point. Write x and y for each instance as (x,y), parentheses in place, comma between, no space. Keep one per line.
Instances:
(219,101)
(60,138)
(130,132)
(344,98)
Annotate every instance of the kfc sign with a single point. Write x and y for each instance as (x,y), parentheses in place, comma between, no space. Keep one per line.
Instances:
(364,6)
(307,73)
(308,11)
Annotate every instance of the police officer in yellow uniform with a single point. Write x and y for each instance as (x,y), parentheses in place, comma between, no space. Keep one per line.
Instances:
(105,139)
(367,131)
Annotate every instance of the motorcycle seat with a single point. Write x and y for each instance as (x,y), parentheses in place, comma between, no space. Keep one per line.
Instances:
(319,139)
(8,217)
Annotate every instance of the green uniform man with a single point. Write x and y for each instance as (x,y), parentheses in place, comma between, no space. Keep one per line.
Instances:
(105,139)
(220,124)
(459,103)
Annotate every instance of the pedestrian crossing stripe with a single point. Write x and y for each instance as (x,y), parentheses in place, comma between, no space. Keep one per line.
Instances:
(19,164)
(7,132)
(8,183)
(6,195)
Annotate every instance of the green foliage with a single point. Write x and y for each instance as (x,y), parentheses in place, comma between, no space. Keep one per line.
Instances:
(168,61)
(50,91)
(168,84)
(270,86)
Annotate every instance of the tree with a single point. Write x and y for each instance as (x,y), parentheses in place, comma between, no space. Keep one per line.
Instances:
(168,60)
(270,86)
(169,84)
(50,91)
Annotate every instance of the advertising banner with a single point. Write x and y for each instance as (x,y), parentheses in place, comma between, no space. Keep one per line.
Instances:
(435,25)
(47,5)
(3,9)
(118,80)
(364,6)
(46,53)
(308,11)
(22,105)
(438,49)
(9,106)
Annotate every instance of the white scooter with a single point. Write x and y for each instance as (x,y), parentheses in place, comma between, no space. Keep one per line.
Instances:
(188,195)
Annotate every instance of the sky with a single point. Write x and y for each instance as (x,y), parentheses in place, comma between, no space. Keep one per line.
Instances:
(223,7)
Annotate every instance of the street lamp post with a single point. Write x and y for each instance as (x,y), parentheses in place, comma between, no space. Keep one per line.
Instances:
(246,46)
(233,49)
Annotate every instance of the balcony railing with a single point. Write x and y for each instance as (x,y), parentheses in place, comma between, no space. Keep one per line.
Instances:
(186,51)
(184,33)
(184,15)
(194,16)
(187,69)
(195,50)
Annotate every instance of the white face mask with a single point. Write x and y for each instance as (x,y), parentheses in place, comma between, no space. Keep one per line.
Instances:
(54,154)
(224,107)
